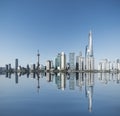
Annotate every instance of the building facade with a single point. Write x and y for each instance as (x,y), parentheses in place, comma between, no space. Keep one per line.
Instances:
(72,61)
(48,65)
(63,61)
(16,64)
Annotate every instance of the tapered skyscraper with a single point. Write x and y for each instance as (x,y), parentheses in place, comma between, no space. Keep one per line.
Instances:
(90,45)
(89,57)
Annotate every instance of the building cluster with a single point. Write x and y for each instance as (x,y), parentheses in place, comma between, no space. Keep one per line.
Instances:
(75,63)
(82,63)
(107,66)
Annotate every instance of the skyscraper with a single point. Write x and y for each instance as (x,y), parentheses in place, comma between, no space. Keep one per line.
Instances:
(63,61)
(89,57)
(72,60)
(90,45)
(16,65)
(58,61)
(81,63)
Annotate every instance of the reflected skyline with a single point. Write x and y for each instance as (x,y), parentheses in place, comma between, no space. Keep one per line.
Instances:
(63,81)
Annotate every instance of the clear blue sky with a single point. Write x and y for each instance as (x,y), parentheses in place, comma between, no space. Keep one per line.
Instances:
(53,26)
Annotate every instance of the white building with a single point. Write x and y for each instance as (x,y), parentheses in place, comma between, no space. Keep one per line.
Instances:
(48,65)
(81,63)
(63,61)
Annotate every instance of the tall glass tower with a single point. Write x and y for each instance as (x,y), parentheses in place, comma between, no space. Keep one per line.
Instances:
(89,57)
(90,45)
(72,60)
(16,65)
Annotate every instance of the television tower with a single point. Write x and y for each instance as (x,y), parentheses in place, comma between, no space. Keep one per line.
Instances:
(38,64)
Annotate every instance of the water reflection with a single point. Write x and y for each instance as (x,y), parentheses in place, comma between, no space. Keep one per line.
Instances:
(16,78)
(89,83)
(38,79)
(60,80)
(83,81)
(105,78)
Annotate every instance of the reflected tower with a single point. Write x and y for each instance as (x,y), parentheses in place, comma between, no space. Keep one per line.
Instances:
(38,86)
(89,83)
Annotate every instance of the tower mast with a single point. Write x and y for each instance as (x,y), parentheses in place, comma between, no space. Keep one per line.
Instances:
(38,64)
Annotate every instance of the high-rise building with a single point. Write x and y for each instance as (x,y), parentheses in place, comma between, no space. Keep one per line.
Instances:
(58,61)
(6,68)
(16,64)
(89,57)
(48,65)
(104,65)
(77,62)
(81,63)
(32,67)
(118,64)
(89,48)
(63,61)
(28,68)
(72,60)
(9,67)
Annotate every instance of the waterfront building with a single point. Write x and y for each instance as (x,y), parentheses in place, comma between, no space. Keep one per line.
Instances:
(89,63)
(6,67)
(42,67)
(104,65)
(28,68)
(118,64)
(72,60)
(63,61)
(81,62)
(48,65)
(33,67)
(2,70)
(9,67)
(77,62)
(89,57)
(52,64)
(58,61)
(16,65)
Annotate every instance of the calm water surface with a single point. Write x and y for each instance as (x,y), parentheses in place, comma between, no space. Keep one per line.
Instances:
(60,94)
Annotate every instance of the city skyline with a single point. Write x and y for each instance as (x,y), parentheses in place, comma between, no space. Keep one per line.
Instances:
(55,26)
